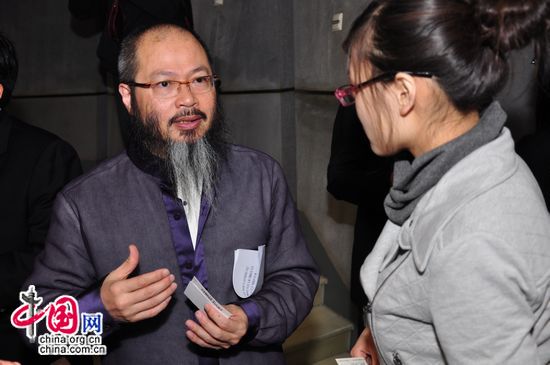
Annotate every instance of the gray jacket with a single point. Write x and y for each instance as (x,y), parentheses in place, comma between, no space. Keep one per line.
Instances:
(98,215)
(466,280)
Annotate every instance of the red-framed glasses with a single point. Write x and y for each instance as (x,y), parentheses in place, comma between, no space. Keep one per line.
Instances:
(346,93)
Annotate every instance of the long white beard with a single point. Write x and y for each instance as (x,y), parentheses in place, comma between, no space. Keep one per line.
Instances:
(194,167)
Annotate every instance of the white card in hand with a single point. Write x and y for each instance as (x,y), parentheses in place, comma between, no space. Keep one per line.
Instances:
(351,361)
(200,296)
(248,271)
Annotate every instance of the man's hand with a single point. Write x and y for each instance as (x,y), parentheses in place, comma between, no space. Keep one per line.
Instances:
(137,298)
(364,347)
(5,362)
(214,330)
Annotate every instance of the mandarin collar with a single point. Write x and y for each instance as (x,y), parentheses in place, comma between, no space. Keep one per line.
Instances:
(150,164)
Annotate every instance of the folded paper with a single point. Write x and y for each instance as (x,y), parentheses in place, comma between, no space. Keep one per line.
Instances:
(248,271)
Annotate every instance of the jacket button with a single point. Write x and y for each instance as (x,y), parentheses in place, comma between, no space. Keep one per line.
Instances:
(396,359)
(177,216)
(188,265)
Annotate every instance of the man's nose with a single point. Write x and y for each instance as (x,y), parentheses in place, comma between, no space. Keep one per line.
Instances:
(185,96)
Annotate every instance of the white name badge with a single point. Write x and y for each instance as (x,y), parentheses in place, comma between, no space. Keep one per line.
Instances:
(248,271)
(198,294)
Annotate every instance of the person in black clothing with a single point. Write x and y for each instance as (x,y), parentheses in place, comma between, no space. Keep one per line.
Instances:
(535,148)
(34,166)
(356,175)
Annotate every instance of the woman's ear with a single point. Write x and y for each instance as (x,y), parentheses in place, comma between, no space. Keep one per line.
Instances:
(405,87)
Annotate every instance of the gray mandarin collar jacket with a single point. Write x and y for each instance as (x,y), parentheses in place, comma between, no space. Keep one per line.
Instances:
(98,215)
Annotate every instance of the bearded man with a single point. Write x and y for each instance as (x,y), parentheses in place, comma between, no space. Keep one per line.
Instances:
(127,238)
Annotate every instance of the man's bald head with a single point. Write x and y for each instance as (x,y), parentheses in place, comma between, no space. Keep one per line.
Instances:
(128,59)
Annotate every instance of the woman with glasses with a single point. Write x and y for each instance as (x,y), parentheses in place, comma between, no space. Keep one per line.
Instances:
(461,271)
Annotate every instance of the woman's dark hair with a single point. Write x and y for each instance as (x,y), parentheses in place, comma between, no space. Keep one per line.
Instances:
(464,43)
(8,69)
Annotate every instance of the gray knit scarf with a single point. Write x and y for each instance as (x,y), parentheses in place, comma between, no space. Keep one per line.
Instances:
(412,180)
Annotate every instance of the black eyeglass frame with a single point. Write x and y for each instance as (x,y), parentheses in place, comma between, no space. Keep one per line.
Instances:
(346,92)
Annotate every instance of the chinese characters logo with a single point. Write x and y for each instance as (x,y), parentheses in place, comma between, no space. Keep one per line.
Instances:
(63,320)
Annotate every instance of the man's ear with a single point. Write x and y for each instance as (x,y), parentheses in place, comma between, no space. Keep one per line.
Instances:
(1,90)
(406,92)
(126,94)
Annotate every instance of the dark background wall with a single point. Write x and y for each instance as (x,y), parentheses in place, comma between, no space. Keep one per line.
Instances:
(279,60)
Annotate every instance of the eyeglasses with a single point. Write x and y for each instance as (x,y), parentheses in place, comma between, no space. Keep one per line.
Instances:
(171,88)
(346,94)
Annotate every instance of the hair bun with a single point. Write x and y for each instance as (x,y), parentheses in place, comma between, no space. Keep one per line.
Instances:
(511,24)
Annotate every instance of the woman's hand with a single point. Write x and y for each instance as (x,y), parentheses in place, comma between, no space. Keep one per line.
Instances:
(364,347)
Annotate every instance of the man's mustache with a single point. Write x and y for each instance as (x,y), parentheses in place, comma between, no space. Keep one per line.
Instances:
(187,113)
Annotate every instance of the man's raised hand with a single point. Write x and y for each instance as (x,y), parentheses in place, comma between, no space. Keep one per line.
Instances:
(137,298)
